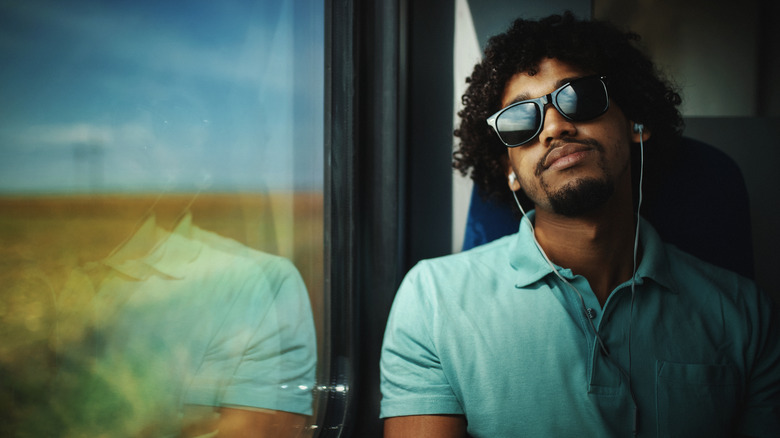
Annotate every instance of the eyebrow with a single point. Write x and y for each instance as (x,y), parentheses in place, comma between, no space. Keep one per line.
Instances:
(558,84)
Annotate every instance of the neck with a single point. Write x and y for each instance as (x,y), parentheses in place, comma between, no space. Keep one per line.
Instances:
(599,246)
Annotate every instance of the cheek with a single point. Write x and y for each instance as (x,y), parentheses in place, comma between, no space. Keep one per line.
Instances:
(618,137)
(524,160)
(623,148)
(619,148)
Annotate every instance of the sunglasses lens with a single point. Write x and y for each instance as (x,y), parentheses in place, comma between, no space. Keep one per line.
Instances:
(583,100)
(519,123)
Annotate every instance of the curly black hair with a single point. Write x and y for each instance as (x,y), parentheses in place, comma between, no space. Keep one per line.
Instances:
(633,82)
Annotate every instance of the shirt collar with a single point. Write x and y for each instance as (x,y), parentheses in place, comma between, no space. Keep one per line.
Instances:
(525,256)
(127,257)
(531,266)
(655,260)
(153,250)
(174,256)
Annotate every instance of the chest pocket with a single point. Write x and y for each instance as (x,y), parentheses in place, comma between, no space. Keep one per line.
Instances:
(696,399)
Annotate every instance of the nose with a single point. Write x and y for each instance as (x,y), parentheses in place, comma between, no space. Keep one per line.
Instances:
(555,126)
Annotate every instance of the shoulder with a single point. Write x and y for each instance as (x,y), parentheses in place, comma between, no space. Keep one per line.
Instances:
(694,273)
(711,288)
(245,273)
(460,280)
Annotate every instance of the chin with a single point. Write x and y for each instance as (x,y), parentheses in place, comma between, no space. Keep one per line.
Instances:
(581,197)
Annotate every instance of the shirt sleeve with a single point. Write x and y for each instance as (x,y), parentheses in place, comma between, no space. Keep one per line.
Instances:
(264,355)
(761,414)
(277,370)
(413,381)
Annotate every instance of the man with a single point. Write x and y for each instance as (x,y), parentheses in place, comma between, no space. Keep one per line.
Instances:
(584,323)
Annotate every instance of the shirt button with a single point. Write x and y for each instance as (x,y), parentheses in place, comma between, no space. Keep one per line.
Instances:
(590,312)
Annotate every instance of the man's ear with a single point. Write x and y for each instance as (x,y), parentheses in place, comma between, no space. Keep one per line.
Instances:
(514,184)
(638,131)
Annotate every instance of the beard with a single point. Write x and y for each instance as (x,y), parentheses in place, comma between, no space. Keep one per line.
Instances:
(581,196)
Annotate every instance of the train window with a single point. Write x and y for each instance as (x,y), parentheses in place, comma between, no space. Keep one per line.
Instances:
(161,217)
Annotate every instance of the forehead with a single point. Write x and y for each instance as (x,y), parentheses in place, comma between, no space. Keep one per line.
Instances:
(550,74)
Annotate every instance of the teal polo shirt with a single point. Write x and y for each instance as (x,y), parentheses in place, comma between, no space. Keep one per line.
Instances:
(493,334)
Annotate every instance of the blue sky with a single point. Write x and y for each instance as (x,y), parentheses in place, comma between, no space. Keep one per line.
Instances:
(107,96)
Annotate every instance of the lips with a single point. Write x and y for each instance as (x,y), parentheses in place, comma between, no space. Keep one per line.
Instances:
(564,151)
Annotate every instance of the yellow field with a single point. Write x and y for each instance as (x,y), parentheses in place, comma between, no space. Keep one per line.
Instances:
(60,233)
(43,238)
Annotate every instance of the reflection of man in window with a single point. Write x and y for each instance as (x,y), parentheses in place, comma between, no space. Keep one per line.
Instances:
(186,332)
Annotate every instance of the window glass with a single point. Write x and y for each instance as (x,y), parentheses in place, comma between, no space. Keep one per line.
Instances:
(161,216)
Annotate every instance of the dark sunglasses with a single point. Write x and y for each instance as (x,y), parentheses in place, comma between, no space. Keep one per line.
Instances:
(579,100)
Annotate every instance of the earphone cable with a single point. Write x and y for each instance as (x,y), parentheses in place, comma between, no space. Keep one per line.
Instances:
(603,348)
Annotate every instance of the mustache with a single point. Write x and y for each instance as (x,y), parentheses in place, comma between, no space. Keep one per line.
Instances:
(563,141)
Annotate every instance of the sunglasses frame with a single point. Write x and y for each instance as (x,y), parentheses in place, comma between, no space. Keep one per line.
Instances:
(542,102)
